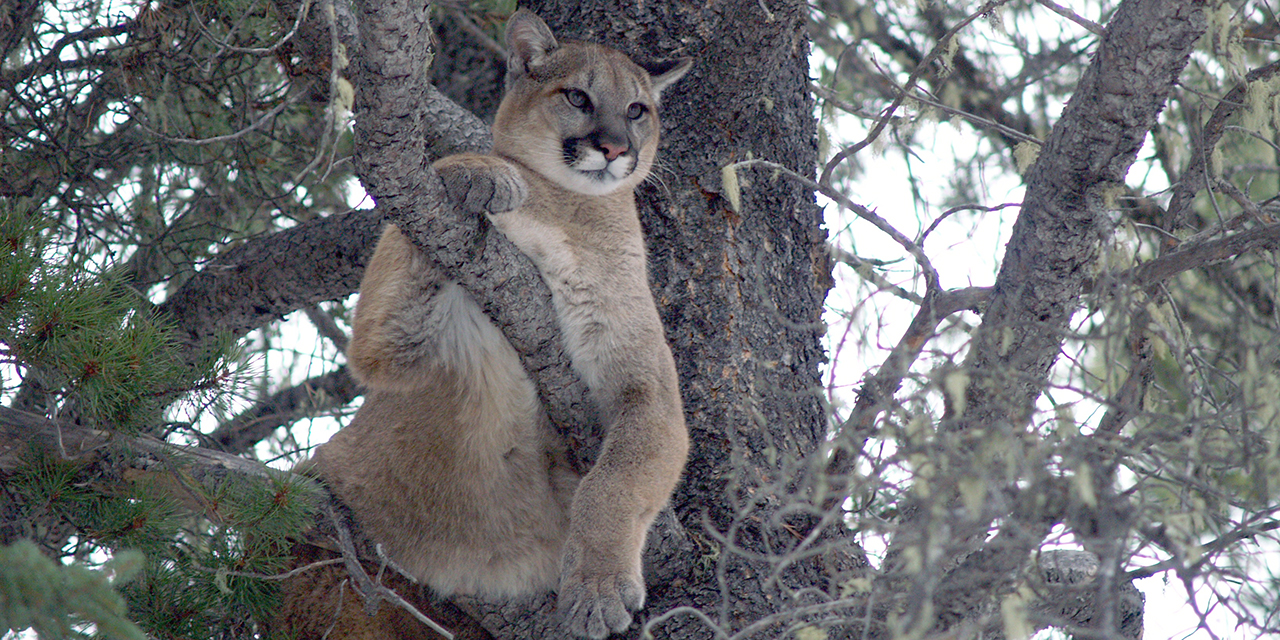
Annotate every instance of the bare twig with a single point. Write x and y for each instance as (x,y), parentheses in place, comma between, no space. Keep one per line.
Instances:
(937,51)
(878,388)
(833,98)
(371,591)
(1092,26)
(1208,550)
(273,576)
(337,62)
(926,267)
(980,121)
(266,119)
(284,407)
(964,207)
(1195,177)
(303,8)
(865,271)
(337,609)
(649,624)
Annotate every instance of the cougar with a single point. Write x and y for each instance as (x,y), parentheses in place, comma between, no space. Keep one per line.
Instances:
(451,463)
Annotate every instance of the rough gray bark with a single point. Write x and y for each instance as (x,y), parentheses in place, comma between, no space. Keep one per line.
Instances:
(1068,586)
(468,71)
(1056,237)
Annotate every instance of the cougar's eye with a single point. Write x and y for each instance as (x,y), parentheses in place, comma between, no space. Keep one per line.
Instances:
(635,110)
(577,98)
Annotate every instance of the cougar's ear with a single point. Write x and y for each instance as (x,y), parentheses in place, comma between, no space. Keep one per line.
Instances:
(665,73)
(529,40)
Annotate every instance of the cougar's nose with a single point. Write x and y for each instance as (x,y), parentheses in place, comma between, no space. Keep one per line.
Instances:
(612,151)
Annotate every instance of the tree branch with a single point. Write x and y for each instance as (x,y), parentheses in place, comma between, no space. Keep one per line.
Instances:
(328,391)
(1191,256)
(1195,177)
(271,276)
(1057,235)
(325,326)
(878,389)
(21,432)
(391,156)
(1058,232)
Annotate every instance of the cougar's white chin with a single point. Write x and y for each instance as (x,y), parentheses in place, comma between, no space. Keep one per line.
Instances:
(594,175)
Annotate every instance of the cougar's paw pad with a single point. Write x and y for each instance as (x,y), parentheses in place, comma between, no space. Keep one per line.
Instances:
(595,606)
(483,188)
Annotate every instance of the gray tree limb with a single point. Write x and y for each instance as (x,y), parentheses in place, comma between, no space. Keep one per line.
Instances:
(389,73)
(1058,233)
(1055,240)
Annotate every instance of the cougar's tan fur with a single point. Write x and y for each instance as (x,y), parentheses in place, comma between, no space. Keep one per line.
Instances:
(451,463)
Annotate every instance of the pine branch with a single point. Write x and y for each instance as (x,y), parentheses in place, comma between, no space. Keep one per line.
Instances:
(189,474)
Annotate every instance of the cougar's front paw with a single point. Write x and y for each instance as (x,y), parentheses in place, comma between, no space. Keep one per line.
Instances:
(482,185)
(594,606)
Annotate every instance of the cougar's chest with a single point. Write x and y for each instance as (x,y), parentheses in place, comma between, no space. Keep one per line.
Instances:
(567,233)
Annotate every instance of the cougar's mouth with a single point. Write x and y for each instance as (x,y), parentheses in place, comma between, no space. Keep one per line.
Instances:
(582,156)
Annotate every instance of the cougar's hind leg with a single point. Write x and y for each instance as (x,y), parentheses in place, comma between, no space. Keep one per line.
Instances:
(399,317)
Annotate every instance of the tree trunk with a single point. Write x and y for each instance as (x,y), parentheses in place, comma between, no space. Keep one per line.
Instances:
(740,292)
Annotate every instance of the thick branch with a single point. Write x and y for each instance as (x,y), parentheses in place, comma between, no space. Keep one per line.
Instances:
(1059,230)
(1056,238)
(1191,256)
(266,278)
(391,86)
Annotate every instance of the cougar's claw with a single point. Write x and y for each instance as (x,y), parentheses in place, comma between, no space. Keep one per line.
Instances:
(595,606)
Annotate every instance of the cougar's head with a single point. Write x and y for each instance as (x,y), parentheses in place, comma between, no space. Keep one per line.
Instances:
(582,115)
